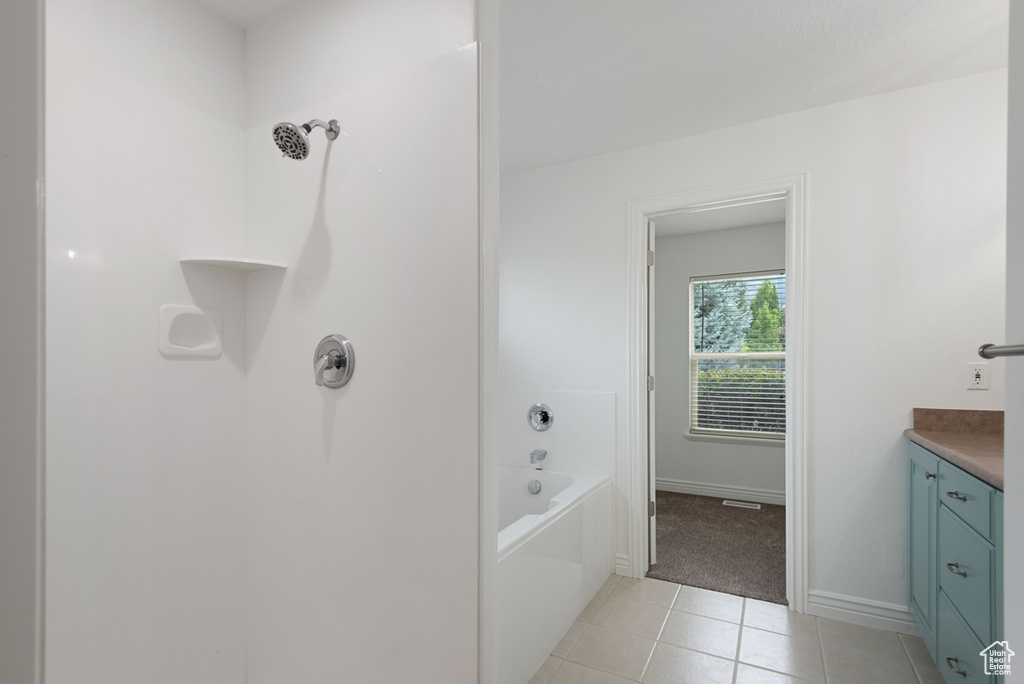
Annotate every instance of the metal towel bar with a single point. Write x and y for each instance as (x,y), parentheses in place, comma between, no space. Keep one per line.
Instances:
(991,351)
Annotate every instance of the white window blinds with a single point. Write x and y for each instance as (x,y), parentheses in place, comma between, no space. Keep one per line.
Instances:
(738,355)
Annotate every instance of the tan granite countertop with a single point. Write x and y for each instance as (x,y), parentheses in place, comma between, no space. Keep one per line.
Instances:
(971,440)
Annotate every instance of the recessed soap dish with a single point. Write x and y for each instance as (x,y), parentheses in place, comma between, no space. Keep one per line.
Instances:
(190,331)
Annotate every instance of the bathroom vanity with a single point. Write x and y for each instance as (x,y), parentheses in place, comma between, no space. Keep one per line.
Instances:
(955,538)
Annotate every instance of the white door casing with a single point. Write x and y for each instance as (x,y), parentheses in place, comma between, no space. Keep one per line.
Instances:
(641,213)
(652,520)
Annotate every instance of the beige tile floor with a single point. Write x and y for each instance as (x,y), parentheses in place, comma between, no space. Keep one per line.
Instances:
(659,633)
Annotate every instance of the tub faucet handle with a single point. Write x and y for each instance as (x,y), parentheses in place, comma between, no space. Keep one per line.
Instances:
(537,455)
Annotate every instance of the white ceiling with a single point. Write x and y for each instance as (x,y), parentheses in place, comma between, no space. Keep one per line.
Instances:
(587,77)
(581,78)
(743,214)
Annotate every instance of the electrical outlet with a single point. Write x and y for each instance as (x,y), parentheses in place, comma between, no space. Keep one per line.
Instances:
(977,375)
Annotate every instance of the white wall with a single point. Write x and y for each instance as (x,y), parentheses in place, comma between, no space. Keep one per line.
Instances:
(701,464)
(363,508)
(905,225)
(21,281)
(1014,446)
(145,454)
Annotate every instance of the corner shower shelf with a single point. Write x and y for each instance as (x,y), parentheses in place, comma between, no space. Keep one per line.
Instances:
(243,265)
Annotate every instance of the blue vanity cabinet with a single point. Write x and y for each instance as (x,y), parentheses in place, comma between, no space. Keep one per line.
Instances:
(955,564)
(923,537)
(997,536)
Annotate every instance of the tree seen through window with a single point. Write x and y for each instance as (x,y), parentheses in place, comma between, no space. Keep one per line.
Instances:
(738,375)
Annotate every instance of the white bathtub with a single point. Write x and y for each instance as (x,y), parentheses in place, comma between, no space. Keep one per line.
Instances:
(554,553)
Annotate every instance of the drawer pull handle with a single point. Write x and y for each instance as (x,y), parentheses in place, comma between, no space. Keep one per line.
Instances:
(929,476)
(951,666)
(955,569)
(956,495)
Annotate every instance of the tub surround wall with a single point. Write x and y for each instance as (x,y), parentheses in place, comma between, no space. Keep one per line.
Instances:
(581,439)
(751,471)
(880,244)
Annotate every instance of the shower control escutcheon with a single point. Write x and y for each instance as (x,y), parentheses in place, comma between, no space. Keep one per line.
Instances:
(540,417)
(333,362)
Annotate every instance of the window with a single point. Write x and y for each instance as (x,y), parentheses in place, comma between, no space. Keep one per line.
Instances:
(738,355)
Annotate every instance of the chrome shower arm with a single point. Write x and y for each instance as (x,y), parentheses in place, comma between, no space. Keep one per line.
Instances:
(333,128)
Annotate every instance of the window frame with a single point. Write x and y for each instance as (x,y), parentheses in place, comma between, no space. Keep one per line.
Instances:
(719,434)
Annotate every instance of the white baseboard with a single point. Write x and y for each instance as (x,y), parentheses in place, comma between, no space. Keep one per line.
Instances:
(888,616)
(721,491)
(622,565)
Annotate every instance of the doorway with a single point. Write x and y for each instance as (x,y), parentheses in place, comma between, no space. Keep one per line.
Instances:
(788,192)
(717,301)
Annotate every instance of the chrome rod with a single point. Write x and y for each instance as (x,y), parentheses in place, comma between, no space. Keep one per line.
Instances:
(991,351)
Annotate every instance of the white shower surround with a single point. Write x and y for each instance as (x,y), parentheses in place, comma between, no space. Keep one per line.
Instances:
(208,521)
(382,249)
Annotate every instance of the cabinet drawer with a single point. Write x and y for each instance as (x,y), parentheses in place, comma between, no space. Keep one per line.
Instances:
(958,649)
(966,564)
(966,496)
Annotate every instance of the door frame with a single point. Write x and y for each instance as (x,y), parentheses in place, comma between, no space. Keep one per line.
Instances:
(651,400)
(641,211)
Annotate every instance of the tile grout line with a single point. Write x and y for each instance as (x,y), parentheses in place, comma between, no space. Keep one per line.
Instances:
(560,664)
(821,649)
(739,642)
(913,665)
(657,639)
(612,629)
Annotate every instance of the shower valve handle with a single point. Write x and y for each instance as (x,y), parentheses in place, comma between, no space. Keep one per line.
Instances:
(334,353)
(330,360)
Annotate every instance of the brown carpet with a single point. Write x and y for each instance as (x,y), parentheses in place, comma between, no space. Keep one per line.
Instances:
(702,543)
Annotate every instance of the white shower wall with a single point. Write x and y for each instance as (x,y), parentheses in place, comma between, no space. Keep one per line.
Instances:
(145,495)
(363,503)
(315,49)
(225,520)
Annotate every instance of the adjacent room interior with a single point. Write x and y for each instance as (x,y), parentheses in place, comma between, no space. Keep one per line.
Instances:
(718,341)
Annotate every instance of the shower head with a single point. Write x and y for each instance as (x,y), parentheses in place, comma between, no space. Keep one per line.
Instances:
(293,141)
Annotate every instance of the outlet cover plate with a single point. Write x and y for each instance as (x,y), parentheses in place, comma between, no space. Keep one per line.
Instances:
(977,375)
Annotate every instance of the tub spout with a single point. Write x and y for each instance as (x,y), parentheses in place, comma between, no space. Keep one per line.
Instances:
(537,455)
